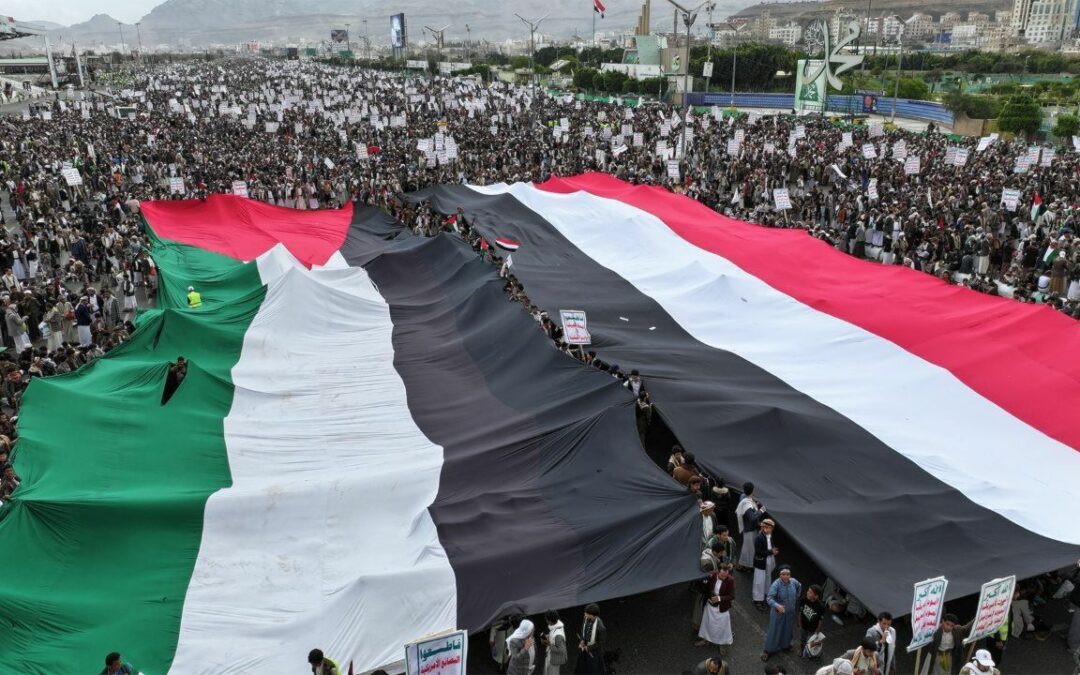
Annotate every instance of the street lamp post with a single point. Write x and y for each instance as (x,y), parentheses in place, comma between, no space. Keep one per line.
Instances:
(348,39)
(708,54)
(468,43)
(899,60)
(689,16)
(123,47)
(138,32)
(533,27)
(367,43)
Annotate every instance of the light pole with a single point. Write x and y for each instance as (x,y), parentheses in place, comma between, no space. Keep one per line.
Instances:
(438,34)
(533,27)
(899,60)
(348,39)
(708,54)
(689,16)
(123,48)
(468,43)
(138,32)
(367,43)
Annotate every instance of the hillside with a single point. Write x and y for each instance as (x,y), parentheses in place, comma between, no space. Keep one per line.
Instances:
(800,11)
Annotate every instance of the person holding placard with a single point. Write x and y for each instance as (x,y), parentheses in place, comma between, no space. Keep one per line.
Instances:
(946,652)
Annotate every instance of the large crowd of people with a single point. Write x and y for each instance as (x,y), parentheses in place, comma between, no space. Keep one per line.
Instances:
(305,135)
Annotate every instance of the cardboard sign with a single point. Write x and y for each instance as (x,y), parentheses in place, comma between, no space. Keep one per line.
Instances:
(240,188)
(71,177)
(927,604)
(575,327)
(782,199)
(1010,198)
(994,603)
(176,186)
(444,654)
(912,165)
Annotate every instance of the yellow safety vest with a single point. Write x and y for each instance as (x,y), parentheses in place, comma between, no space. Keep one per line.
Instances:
(194,300)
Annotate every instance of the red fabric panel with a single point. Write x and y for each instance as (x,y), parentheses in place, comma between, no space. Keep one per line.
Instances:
(245,229)
(1022,357)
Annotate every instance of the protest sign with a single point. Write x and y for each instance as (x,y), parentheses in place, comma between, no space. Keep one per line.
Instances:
(871,189)
(240,188)
(993,609)
(782,199)
(176,186)
(1010,198)
(1047,157)
(673,169)
(575,327)
(71,176)
(639,139)
(899,150)
(846,140)
(985,142)
(926,607)
(869,151)
(961,157)
(876,130)
(444,654)
(732,147)
(912,165)
(800,131)
(950,155)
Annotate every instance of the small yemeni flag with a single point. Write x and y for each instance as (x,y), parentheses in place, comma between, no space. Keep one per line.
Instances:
(598,7)
(483,244)
(450,219)
(507,244)
(1036,202)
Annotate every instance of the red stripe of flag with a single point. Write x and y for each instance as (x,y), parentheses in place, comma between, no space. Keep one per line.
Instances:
(952,327)
(598,7)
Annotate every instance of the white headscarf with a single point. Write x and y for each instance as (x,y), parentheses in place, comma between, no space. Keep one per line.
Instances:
(523,631)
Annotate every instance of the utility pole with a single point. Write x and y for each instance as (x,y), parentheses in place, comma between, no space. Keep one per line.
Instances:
(689,16)
(708,56)
(348,39)
(899,60)
(138,31)
(123,47)
(468,44)
(734,56)
(862,50)
(533,27)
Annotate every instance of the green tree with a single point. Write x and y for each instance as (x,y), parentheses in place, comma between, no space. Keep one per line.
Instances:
(1066,126)
(583,78)
(654,86)
(546,55)
(518,62)
(631,86)
(613,81)
(1021,115)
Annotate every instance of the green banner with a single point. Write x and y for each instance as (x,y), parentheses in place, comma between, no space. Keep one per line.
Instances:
(810,96)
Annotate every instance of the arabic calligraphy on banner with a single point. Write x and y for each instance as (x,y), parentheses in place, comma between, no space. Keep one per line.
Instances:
(926,607)
(994,603)
(445,654)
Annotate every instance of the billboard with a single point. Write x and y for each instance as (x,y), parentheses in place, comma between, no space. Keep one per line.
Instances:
(339,35)
(397,31)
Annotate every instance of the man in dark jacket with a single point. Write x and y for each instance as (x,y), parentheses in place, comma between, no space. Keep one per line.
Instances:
(946,653)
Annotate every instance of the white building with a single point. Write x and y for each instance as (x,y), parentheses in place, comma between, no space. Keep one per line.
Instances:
(919,26)
(1048,21)
(789,34)
(965,33)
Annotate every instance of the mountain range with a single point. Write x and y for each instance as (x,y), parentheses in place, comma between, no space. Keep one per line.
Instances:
(203,22)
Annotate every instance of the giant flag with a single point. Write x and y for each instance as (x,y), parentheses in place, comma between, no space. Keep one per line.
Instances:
(899,427)
(371,444)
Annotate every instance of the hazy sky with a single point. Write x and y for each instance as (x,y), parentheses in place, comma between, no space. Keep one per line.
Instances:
(68,12)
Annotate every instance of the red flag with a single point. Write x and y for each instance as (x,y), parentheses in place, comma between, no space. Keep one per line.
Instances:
(483,244)
(450,219)
(598,7)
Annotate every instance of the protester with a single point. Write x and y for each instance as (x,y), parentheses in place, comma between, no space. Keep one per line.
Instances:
(946,648)
(783,599)
(980,664)
(711,666)
(811,619)
(321,664)
(591,643)
(884,635)
(521,647)
(716,621)
(765,552)
(554,642)
(114,665)
(748,515)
